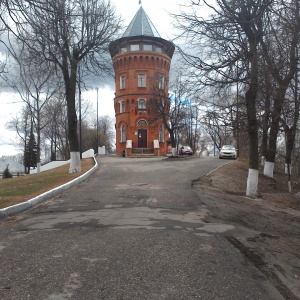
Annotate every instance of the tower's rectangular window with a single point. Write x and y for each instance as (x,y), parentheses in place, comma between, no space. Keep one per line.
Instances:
(122,106)
(147,47)
(142,104)
(158,49)
(122,82)
(123,49)
(134,47)
(142,80)
(161,82)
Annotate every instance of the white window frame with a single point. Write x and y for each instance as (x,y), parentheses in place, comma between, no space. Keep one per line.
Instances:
(150,47)
(158,49)
(122,106)
(122,82)
(122,134)
(142,80)
(161,82)
(142,103)
(135,47)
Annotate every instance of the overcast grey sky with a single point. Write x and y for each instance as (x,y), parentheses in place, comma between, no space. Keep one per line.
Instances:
(157,10)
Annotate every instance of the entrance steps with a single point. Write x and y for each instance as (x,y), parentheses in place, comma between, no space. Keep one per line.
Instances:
(142,152)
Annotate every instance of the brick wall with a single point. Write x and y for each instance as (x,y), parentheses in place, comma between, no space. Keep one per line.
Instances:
(135,119)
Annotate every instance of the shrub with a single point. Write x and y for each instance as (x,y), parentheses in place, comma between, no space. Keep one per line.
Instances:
(6,173)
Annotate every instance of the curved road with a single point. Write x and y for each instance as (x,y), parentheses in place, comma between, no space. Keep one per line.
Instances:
(133,230)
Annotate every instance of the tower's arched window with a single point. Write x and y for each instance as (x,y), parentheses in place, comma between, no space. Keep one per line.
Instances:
(161,134)
(142,104)
(123,134)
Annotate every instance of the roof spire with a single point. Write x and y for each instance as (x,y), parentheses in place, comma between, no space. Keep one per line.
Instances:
(140,2)
(141,25)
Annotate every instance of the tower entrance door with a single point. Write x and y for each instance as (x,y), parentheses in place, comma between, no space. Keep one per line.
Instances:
(142,138)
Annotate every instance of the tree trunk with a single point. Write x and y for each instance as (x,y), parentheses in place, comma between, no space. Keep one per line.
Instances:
(75,165)
(38,130)
(289,145)
(290,133)
(276,114)
(265,126)
(251,94)
(173,142)
(252,181)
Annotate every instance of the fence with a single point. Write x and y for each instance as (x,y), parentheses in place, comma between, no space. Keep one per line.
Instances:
(13,174)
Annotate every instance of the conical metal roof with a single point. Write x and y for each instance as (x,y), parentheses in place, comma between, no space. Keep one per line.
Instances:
(141,25)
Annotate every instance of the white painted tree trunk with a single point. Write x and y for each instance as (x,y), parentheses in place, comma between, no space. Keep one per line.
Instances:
(262,162)
(252,183)
(174,152)
(290,186)
(38,168)
(269,169)
(286,170)
(75,165)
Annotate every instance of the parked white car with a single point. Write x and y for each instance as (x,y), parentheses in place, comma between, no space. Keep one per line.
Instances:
(228,151)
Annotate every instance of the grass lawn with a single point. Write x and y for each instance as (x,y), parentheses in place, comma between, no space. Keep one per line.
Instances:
(19,189)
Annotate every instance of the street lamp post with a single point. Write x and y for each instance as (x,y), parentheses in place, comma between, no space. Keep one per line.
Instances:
(79,98)
(237,114)
(97,125)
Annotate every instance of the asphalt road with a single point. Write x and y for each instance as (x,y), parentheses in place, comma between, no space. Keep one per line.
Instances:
(133,230)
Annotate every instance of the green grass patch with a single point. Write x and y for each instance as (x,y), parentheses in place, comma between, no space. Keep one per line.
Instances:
(19,189)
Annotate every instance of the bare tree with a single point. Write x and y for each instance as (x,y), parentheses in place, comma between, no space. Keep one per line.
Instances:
(36,84)
(290,124)
(227,39)
(67,33)
(280,50)
(56,129)
(94,136)
(265,98)
(2,43)
(107,135)
(170,111)
(189,133)
(22,124)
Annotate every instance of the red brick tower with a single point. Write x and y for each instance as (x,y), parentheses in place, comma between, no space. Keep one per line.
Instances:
(139,56)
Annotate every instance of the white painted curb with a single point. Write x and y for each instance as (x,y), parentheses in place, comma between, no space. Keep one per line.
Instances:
(11,210)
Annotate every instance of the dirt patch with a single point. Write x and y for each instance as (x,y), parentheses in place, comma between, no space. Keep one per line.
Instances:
(232,179)
(268,227)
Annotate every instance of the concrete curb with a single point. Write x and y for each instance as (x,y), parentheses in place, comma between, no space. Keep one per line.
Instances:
(215,169)
(14,209)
